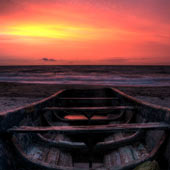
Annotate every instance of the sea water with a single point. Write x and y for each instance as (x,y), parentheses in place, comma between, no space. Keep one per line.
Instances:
(93,75)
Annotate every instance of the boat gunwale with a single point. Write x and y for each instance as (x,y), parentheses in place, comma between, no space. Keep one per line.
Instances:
(6,113)
(141,102)
(23,111)
(138,101)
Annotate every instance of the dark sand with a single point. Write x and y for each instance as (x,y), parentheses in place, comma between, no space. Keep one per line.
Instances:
(13,95)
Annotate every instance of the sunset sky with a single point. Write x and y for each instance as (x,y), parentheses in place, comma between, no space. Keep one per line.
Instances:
(34,32)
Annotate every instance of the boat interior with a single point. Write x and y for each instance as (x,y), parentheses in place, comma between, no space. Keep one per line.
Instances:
(85,129)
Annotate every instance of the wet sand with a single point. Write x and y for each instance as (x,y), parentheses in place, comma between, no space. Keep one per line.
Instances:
(13,95)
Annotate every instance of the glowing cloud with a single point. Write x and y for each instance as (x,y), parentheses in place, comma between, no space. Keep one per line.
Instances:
(52,31)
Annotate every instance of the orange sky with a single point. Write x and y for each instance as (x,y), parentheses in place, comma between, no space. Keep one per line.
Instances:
(84,32)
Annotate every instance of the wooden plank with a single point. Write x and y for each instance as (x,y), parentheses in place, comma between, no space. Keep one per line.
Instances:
(88,98)
(111,108)
(91,129)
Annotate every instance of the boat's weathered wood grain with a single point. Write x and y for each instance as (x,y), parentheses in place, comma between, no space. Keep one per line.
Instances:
(92,128)
(90,108)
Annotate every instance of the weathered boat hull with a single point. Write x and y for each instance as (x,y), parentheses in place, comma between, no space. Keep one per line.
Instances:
(91,135)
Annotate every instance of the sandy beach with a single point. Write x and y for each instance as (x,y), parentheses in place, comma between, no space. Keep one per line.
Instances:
(13,95)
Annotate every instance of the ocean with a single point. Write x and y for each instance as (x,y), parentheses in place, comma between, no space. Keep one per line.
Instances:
(92,75)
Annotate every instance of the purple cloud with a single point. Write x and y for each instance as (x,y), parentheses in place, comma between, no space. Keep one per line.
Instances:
(48,59)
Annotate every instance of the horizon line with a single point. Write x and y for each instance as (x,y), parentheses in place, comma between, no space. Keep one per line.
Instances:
(87,65)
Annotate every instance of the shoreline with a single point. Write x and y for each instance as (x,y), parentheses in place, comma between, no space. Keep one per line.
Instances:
(14,95)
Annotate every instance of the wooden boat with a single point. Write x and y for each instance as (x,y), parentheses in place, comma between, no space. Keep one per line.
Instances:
(85,129)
